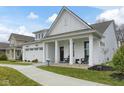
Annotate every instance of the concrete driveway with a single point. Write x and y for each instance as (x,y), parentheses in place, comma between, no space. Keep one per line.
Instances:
(49,78)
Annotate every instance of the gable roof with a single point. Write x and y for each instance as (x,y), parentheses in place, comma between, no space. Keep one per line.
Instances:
(60,13)
(101,27)
(22,37)
(3,45)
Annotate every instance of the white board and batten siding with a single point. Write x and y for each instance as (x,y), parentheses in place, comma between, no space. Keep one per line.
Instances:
(67,23)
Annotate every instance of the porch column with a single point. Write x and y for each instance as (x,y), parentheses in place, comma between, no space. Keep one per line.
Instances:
(90,50)
(56,52)
(23,53)
(44,52)
(71,51)
(14,55)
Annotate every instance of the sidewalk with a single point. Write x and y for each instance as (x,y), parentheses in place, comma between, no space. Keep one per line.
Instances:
(49,78)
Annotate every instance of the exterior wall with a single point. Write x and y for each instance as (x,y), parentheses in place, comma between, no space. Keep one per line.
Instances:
(67,23)
(79,48)
(50,52)
(30,55)
(105,53)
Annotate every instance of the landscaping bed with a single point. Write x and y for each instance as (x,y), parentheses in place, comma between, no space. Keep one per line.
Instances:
(104,77)
(101,68)
(11,77)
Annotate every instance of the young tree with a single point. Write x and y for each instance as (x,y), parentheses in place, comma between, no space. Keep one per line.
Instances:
(118,60)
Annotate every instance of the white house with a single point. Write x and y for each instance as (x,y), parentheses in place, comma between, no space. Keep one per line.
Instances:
(70,39)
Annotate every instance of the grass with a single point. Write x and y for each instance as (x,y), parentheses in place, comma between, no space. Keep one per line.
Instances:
(12,77)
(96,76)
(14,62)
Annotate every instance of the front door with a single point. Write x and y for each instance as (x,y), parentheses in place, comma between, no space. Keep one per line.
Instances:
(61,53)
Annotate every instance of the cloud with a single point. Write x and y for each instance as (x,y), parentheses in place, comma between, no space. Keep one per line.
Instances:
(33,16)
(113,14)
(23,30)
(6,31)
(51,18)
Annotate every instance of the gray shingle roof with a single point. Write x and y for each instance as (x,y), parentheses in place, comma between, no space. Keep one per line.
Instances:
(22,37)
(3,45)
(41,31)
(101,27)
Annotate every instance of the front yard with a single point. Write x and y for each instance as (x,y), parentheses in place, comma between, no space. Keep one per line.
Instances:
(14,62)
(96,76)
(12,77)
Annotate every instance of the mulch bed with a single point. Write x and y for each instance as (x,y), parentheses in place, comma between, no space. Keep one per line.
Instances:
(101,68)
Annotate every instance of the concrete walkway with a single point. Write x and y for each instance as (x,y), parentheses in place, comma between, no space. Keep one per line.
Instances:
(50,79)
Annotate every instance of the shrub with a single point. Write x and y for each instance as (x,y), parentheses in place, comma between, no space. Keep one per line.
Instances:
(35,61)
(3,56)
(118,60)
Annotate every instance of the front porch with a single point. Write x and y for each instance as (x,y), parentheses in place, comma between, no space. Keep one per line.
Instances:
(14,53)
(77,51)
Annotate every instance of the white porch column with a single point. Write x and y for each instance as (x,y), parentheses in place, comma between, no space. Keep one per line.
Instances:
(71,51)
(90,50)
(44,52)
(23,53)
(14,55)
(56,52)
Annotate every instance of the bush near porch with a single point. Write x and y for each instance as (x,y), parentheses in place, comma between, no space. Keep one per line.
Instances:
(91,75)
(12,77)
(3,56)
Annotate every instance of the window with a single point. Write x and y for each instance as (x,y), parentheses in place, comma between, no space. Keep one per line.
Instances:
(102,43)
(18,52)
(86,49)
(31,49)
(36,48)
(41,48)
(26,49)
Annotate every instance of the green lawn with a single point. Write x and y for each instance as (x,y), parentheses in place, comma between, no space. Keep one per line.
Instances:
(14,62)
(96,76)
(12,77)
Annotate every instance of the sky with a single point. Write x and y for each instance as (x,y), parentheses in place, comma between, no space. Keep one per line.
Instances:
(25,20)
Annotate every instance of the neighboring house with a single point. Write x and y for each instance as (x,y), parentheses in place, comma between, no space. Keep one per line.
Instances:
(120,36)
(70,37)
(3,47)
(14,51)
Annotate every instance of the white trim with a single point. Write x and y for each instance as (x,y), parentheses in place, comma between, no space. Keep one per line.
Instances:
(71,51)
(91,50)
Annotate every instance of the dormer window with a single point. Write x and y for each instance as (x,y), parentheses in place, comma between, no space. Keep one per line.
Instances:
(42,35)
